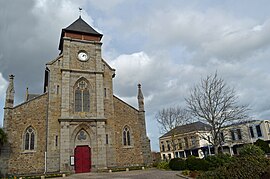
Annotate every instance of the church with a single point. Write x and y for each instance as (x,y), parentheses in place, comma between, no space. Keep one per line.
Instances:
(77,124)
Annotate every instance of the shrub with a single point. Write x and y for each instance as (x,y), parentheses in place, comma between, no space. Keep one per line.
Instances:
(251,150)
(266,174)
(263,145)
(219,160)
(250,164)
(177,164)
(163,165)
(194,163)
(186,172)
(155,164)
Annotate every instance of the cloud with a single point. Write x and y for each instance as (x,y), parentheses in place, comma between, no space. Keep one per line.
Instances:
(30,40)
(105,5)
(3,87)
(168,47)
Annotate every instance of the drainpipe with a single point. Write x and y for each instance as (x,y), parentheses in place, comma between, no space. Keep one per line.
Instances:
(47,119)
(45,163)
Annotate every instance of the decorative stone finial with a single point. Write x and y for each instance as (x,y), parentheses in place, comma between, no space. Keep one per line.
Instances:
(26,94)
(140,98)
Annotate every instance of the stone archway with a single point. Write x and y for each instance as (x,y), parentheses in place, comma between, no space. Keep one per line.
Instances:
(81,140)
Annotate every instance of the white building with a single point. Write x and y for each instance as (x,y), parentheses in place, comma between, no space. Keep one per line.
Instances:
(190,139)
(234,136)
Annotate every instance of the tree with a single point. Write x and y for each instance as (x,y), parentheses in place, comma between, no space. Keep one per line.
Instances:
(3,137)
(169,118)
(213,102)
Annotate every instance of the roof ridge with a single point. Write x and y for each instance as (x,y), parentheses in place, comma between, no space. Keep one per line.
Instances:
(81,26)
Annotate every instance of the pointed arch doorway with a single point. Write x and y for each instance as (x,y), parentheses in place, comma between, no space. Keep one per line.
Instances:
(82,159)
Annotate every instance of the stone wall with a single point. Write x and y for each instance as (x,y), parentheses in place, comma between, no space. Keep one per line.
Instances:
(31,113)
(127,115)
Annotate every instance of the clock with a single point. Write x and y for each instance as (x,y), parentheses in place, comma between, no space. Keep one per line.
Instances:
(82,55)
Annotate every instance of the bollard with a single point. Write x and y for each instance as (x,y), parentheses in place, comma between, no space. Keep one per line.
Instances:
(127,169)
(42,177)
(64,175)
(143,168)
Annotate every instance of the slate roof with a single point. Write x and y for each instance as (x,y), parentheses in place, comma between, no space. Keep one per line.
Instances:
(82,27)
(196,126)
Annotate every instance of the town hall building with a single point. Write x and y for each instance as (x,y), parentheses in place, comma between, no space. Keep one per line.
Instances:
(77,124)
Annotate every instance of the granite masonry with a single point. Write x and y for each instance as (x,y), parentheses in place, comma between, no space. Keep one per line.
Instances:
(77,124)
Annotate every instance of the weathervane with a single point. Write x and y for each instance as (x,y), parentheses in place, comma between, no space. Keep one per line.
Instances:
(80,10)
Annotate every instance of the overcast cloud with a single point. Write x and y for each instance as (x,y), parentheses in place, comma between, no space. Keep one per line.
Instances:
(168,47)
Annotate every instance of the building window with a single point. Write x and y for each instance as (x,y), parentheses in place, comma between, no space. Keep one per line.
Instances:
(82,97)
(105,92)
(193,140)
(168,146)
(107,139)
(239,134)
(222,139)
(162,147)
(176,155)
(169,156)
(259,132)
(232,135)
(251,132)
(56,141)
(186,142)
(29,139)
(164,157)
(180,146)
(126,136)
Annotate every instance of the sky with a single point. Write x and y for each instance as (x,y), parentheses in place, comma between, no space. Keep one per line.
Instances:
(167,46)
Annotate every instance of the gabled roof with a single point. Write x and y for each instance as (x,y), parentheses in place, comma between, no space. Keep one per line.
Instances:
(192,127)
(78,27)
(82,27)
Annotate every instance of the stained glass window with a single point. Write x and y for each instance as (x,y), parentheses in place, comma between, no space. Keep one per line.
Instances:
(126,136)
(29,139)
(82,97)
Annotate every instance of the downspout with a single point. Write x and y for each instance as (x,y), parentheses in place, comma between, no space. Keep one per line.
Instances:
(97,164)
(47,119)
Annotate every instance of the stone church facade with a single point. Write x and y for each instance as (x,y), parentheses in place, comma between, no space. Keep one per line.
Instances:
(77,124)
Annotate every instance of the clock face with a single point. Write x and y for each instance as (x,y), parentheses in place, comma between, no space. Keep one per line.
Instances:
(83,56)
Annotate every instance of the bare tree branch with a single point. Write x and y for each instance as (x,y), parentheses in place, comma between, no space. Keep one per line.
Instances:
(212,101)
(169,118)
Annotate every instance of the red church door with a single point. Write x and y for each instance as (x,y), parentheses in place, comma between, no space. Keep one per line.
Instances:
(82,159)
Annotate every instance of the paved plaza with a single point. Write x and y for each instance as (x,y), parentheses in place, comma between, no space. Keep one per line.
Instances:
(135,174)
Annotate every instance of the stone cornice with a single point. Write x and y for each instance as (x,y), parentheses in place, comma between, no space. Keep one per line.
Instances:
(83,71)
(91,119)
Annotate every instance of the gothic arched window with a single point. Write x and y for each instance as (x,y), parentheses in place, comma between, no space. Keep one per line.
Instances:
(29,139)
(126,136)
(82,97)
